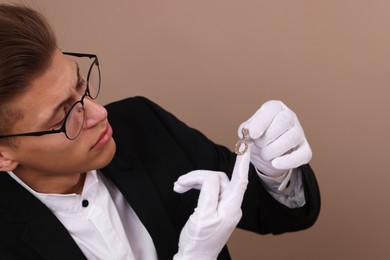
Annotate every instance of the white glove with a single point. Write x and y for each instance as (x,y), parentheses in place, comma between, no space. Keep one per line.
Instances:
(218,211)
(280,144)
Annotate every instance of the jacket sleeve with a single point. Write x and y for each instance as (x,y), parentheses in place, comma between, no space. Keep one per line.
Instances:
(261,212)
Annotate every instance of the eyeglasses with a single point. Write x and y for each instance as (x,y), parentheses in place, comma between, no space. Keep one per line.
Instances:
(74,118)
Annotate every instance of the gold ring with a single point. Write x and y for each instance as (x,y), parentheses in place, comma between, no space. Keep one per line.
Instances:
(245,133)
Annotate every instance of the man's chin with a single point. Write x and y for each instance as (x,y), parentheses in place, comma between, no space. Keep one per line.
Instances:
(107,156)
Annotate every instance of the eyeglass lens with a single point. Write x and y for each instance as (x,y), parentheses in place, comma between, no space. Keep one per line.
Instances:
(75,120)
(94,81)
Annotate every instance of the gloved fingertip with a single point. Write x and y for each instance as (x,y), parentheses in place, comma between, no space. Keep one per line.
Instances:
(179,190)
(276,164)
(281,163)
(177,187)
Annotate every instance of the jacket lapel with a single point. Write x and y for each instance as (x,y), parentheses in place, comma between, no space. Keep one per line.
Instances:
(138,189)
(41,230)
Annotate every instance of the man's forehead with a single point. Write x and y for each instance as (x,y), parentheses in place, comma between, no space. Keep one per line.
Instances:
(49,88)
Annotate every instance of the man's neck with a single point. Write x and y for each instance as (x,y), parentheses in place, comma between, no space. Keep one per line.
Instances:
(55,184)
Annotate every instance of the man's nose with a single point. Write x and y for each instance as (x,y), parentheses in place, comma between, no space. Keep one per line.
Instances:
(94,113)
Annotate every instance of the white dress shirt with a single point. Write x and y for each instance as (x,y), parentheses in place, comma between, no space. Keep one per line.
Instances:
(100,220)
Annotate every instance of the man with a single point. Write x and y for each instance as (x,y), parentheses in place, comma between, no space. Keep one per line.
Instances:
(69,191)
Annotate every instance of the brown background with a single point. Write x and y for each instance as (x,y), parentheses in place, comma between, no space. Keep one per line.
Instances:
(213,63)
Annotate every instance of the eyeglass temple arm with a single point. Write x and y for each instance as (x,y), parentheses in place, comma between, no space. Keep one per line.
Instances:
(53,131)
(78,54)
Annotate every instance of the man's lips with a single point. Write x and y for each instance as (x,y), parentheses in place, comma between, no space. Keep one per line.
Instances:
(104,137)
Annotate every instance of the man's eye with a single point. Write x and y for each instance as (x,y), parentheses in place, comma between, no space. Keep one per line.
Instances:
(59,124)
(61,119)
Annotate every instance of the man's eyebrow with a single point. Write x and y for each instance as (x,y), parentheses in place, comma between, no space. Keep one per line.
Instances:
(60,105)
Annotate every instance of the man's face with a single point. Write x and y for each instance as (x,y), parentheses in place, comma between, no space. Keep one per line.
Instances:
(43,106)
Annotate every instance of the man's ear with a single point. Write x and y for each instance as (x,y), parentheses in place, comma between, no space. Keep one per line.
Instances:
(7,163)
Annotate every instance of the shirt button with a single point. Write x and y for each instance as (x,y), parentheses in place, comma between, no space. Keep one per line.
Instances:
(85,203)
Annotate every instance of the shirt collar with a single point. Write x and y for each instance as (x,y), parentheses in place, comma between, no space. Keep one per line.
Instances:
(65,202)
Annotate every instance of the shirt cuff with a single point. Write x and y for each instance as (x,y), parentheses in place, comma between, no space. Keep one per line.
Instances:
(286,188)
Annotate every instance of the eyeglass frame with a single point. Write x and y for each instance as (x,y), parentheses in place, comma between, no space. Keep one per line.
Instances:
(62,129)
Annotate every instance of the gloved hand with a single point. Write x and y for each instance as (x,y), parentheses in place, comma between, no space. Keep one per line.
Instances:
(279,141)
(217,213)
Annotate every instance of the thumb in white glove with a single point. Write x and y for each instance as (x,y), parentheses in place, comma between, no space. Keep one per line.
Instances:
(217,213)
(279,141)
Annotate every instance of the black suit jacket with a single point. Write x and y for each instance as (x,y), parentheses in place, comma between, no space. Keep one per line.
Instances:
(153,149)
